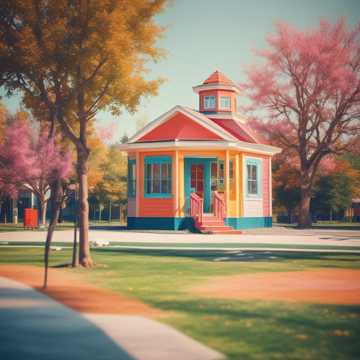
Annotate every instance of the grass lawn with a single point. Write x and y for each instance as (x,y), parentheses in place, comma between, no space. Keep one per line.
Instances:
(20,227)
(329,225)
(239,329)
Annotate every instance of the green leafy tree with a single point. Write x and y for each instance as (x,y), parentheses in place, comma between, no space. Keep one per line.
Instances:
(333,195)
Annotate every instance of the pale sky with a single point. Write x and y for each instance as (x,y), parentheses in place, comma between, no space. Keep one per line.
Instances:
(207,35)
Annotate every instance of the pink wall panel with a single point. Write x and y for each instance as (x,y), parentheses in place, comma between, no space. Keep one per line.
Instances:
(217,94)
(131,207)
(266,187)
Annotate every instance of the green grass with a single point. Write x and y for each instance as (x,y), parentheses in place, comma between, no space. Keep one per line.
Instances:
(241,330)
(328,225)
(20,227)
(205,245)
(337,225)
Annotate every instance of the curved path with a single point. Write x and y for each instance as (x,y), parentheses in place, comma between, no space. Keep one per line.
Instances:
(35,327)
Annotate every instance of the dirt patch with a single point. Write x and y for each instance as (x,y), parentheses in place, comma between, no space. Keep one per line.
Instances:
(71,290)
(331,286)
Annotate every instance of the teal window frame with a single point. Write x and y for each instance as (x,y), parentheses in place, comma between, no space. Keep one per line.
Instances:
(257,164)
(131,178)
(149,163)
(225,102)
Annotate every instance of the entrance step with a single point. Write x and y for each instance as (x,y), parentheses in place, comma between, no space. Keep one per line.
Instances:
(213,225)
(218,230)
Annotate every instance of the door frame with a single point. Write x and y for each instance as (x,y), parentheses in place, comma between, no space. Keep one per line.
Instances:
(206,162)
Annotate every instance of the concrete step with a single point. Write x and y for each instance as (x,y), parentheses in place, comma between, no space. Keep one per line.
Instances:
(215,228)
(212,223)
(221,231)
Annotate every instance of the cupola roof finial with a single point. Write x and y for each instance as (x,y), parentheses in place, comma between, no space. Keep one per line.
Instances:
(218,78)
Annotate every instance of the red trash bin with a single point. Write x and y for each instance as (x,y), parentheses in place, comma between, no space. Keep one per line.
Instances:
(30,218)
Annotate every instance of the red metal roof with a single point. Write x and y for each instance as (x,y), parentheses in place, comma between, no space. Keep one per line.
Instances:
(237,129)
(179,127)
(218,78)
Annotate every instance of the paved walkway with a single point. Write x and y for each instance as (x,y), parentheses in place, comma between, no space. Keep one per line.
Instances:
(276,235)
(35,327)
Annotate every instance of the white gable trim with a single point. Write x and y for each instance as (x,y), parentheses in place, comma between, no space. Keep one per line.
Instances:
(216,86)
(219,145)
(198,118)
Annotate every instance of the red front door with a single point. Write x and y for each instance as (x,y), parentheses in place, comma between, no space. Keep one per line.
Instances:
(197,179)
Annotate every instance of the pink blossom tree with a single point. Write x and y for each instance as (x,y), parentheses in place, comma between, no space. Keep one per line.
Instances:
(50,161)
(31,162)
(16,157)
(308,92)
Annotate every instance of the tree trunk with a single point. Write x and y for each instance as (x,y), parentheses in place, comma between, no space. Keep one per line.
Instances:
(304,209)
(289,215)
(75,259)
(61,219)
(109,211)
(55,198)
(15,211)
(84,248)
(43,207)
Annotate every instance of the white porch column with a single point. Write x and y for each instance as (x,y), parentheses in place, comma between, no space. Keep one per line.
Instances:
(175,186)
(237,174)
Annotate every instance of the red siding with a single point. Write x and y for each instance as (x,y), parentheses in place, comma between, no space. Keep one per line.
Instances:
(150,207)
(154,207)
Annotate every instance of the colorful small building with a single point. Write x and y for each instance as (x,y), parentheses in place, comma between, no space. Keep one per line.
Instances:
(203,170)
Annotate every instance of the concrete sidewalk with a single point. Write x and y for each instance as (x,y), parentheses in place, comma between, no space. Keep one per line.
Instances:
(276,235)
(35,327)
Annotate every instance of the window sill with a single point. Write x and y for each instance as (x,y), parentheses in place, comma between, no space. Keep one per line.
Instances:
(158,196)
(253,197)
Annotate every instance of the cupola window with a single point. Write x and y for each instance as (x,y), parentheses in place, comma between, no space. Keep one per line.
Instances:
(209,102)
(225,102)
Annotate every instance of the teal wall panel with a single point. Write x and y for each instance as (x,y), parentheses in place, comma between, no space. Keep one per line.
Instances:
(249,222)
(170,223)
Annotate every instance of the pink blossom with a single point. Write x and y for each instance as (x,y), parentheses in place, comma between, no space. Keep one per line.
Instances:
(25,161)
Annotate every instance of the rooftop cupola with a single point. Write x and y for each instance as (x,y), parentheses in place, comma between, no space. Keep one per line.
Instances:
(217,95)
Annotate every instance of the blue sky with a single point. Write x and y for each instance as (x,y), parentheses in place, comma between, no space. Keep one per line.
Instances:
(207,35)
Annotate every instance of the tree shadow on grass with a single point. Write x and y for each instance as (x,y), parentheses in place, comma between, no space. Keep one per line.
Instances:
(231,255)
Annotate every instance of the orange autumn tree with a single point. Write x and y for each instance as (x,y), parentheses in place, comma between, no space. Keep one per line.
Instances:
(74,58)
(112,188)
(286,187)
